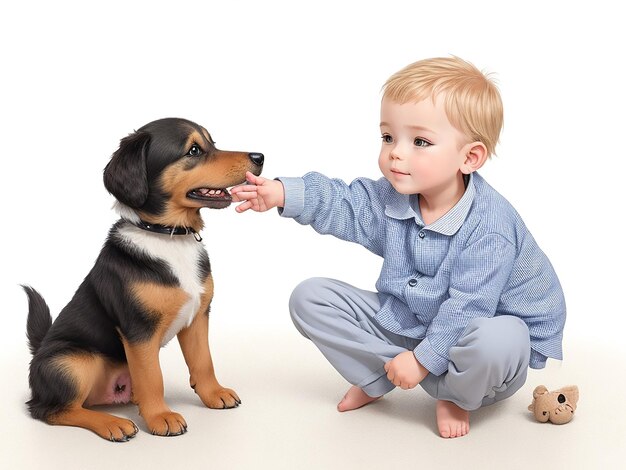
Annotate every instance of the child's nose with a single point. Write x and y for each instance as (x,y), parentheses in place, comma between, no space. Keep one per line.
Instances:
(395,154)
(398,151)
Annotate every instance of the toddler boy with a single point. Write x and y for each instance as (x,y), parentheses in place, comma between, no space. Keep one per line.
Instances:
(466,301)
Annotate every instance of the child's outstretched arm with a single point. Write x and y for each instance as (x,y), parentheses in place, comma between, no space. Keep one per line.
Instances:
(260,194)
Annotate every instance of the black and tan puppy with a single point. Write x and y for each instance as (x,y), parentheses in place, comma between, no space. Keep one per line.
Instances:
(152,281)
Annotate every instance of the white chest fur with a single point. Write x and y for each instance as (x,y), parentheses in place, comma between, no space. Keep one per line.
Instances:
(182,254)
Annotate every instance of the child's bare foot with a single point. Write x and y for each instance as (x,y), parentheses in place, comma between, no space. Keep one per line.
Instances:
(355,398)
(452,421)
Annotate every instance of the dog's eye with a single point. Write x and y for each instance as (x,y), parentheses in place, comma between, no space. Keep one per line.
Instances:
(194,151)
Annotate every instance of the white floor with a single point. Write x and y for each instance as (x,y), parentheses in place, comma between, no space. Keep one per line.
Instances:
(288,418)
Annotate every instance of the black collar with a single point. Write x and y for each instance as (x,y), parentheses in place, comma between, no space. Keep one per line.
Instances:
(157,228)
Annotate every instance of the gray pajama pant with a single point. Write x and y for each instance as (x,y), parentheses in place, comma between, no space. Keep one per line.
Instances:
(488,364)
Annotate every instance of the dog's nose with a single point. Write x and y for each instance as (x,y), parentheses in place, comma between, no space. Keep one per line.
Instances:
(257,158)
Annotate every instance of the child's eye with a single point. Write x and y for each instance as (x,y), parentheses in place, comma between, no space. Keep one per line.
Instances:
(421,143)
(387,138)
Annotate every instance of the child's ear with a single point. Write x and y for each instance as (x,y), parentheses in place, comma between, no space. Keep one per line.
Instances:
(475,157)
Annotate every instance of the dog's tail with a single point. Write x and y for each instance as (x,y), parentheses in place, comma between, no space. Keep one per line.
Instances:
(39,319)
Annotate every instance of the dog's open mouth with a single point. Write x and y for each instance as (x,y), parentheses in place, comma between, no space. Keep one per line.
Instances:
(211,197)
(209,194)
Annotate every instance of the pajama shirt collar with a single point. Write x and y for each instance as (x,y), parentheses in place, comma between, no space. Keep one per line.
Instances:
(405,206)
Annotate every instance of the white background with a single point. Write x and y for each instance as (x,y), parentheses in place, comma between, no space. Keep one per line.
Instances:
(300,82)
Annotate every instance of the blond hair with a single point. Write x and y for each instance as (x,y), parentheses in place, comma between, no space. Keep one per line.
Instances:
(472,101)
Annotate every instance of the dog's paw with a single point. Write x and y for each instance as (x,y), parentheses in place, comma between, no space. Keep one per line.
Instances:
(220,398)
(116,429)
(167,424)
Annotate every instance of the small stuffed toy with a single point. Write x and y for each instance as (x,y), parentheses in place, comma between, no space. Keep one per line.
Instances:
(557,407)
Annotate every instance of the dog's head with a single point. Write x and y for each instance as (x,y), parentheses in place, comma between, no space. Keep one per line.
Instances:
(169,169)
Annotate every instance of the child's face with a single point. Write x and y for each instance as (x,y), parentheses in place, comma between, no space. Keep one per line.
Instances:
(422,152)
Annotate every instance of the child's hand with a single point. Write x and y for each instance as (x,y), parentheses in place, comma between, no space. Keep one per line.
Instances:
(405,371)
(260,194)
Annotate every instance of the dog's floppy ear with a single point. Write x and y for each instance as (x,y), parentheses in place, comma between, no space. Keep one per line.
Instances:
(125,175)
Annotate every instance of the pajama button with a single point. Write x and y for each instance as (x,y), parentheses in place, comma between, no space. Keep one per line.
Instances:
(413,282)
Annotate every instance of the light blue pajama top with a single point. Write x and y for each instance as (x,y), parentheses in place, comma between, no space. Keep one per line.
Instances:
(478,260)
